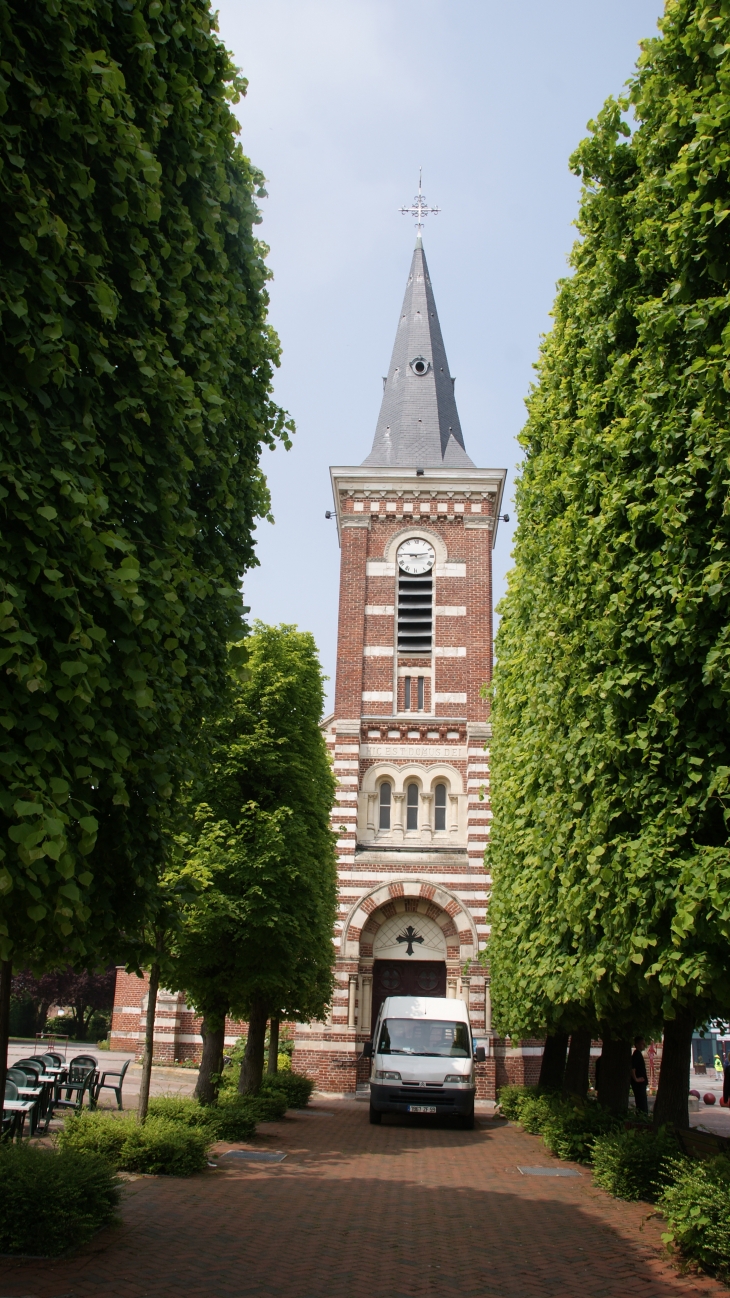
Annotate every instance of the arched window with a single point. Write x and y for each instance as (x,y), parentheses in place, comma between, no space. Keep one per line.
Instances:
(385,792)
(440,807)
(412,806)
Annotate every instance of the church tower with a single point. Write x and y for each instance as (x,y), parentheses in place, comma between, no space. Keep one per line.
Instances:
(417,522)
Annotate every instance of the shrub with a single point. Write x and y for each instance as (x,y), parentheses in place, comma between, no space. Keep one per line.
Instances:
(571,1128)
(184,1109)
(236,1118)
(268,1105)
(165,1148)
(534,1111)
(52,1202)
(296,1087)
(635,1164)
(161,1145)
(511,1098)
(697,1209)
(96,1133)
(568,1127)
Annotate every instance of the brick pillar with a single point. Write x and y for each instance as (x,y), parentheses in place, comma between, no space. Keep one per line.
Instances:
(351,627)
(479,616)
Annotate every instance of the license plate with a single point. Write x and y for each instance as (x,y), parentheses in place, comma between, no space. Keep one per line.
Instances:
(422,1108)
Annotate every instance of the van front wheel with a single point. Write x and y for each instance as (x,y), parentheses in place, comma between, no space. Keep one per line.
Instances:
(467,1122)
(375,1117)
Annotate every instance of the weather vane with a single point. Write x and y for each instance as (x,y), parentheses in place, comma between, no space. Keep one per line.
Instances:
(419,207)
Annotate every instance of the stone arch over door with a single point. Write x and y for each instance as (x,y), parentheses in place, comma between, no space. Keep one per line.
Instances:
(447,926)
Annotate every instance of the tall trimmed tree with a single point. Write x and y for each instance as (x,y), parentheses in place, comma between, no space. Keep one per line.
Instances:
(260,864)
(136,365)
(611,755)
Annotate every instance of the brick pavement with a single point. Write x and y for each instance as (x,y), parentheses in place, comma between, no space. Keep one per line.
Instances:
(370,1212)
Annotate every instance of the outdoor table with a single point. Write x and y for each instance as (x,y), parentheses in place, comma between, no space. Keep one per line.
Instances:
(47,1092)
(25,1093)
(20,1107)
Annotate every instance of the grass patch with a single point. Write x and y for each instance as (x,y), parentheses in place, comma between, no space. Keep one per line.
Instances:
(52,1202)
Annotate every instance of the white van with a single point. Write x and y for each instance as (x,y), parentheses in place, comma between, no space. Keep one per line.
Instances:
(423,1059)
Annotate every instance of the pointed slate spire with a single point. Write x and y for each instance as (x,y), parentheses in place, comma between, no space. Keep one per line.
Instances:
(418,426)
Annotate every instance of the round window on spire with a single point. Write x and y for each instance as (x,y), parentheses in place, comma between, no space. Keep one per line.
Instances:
(420,365)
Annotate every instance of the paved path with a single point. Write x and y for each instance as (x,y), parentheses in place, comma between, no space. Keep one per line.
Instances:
(397,1211)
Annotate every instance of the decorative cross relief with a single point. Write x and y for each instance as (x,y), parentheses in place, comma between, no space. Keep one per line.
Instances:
(410,936)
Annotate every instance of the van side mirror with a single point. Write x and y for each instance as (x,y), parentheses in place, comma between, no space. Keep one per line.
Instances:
(367,1050)
(480,1054)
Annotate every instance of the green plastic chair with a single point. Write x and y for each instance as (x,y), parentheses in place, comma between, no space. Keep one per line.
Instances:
(116,1087)
(30,1066)
(79,1080)
(19,1076)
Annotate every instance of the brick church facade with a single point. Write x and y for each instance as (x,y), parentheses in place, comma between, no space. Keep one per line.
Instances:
(409,737)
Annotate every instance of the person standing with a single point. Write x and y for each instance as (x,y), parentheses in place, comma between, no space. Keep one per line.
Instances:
(639,1079)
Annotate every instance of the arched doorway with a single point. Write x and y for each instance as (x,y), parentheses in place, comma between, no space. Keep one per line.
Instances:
(409,958)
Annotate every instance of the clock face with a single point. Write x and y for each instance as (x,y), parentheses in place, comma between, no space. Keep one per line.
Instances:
(416,556)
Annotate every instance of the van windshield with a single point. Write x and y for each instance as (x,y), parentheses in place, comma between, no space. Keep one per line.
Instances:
(424,1037)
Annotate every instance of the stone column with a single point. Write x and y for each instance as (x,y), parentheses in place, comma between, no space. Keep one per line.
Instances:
(465,985)
(397,814)
(451,989)
(351,997)
(454,804)
(366,1002)
(372,812)
(426,821)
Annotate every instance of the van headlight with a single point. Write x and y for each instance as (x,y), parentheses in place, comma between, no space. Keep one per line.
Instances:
(458,1079)
(387,1077)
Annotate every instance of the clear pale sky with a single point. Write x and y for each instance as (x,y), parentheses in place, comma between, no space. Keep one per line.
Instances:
(346,99)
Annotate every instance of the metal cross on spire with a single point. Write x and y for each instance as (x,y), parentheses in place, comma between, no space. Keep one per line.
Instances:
(419,207)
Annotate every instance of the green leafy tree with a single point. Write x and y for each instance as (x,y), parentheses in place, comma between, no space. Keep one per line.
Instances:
(611,758)
(256,937)
(136,365)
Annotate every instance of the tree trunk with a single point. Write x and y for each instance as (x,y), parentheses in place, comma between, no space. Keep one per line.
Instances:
(614,1074)
(673,1091)
(273,1066)
(149,1043)
(575,1081)
(552,1068)
(6,978)
(252,1065)
(211,1065)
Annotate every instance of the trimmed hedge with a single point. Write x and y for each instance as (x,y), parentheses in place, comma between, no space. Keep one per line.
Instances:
(268,1105)
(53,1202)
(572,1129)
(161,1145)
(510,1100)
(233,1118)
(568,1127)
(296,1086)
(636,1164)
(697,1209)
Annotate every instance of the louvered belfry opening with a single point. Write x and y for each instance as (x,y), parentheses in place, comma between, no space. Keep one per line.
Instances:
(415,614)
